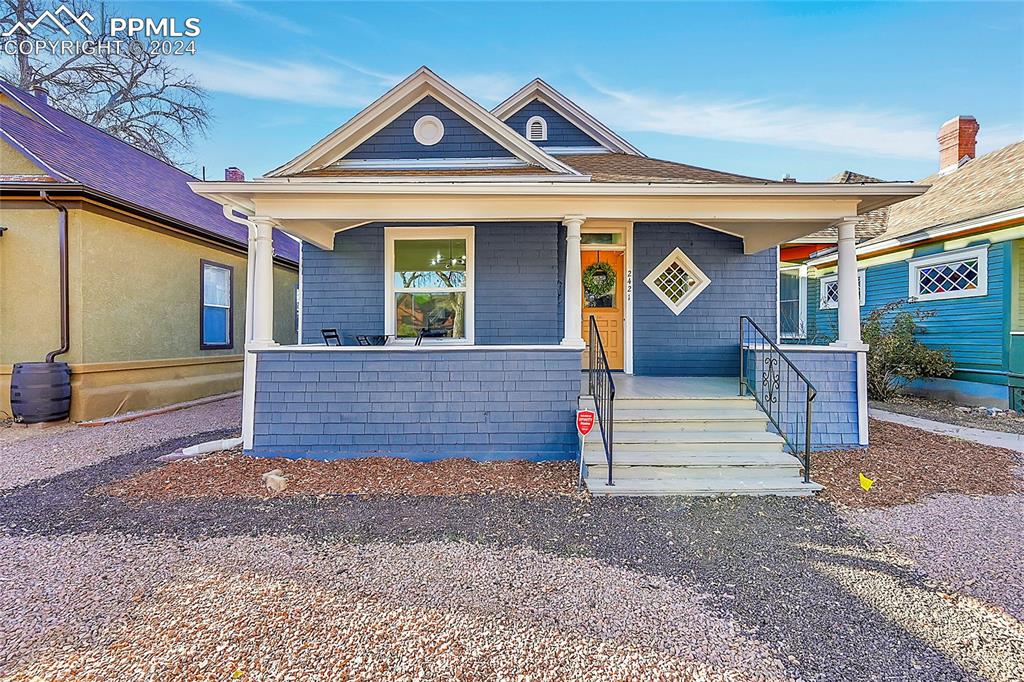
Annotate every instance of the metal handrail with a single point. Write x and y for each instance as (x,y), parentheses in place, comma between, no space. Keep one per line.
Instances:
(773,395)
(602,389)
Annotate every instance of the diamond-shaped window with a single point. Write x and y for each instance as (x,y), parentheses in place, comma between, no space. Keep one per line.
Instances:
(677,281)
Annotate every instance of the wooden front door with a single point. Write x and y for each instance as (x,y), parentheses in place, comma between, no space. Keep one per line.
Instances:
(607,309)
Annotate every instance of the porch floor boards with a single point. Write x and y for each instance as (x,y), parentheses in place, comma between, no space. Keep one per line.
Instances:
(690,436)
(630,386)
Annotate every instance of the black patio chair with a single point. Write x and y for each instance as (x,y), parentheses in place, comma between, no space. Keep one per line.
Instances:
(430,334)
(372,339)
(331,335)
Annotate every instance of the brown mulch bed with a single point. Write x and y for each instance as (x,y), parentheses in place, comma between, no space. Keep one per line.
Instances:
(231,474)
(909,464)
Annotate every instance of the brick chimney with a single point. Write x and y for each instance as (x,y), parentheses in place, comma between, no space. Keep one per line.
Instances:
(40,95)
(958,137)
(233,174)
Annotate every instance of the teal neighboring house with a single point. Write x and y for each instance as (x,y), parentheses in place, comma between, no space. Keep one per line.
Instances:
(958,251)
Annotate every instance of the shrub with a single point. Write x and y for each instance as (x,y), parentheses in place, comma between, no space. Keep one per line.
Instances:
(897,356)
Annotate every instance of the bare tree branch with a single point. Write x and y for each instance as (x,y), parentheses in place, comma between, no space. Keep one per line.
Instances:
(144,99)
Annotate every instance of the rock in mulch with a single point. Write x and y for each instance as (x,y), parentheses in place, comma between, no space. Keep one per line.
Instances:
(232,474)
(909,464)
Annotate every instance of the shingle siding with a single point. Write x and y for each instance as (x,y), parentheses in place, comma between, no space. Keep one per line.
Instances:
(396,141)
(518,283)
(343,289)
(834,415)
(496,404)
(703,339)
(561,133)
(518,293)
(974,330)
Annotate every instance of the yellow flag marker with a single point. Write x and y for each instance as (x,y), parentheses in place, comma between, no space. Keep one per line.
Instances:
(866,482)
(235,675)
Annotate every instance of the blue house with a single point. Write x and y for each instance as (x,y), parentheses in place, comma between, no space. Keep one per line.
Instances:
(483,270)
(957,252)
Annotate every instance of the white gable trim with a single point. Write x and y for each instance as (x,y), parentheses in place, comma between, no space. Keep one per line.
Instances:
(400,98)
(402,164)
(539,90)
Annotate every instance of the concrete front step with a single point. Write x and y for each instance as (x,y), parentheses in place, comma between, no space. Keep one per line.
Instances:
(710,403)
(593,458)
(686,486)
(690,420)
(689,441)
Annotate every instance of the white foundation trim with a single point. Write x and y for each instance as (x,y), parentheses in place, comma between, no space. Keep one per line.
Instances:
(406,348)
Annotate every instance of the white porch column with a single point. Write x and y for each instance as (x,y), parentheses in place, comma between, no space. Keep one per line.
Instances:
(573,282)
(262,256)
(849,293)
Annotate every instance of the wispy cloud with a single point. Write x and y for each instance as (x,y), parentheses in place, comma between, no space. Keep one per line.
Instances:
(251,11)
(286,81)
(331,82)
(857,129)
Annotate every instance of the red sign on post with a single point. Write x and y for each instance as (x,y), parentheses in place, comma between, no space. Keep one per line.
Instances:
(585,421)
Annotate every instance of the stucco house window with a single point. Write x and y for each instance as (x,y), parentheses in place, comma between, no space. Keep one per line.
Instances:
(954,274)
(430,282)
(828,291)
(217,310)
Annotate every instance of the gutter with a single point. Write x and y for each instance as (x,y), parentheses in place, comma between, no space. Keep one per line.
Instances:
(993,221)
(181,226)
(65,313)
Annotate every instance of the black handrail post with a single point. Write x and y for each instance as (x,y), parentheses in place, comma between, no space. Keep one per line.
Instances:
(603,391)
(775,391)
(743,378)
(807,435)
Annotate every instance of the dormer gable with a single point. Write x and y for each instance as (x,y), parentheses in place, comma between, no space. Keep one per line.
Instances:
(552,121)
(421,123)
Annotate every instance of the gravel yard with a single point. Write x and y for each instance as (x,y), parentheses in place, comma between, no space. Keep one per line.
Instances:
(31,453)
(1008,421)
(488,585)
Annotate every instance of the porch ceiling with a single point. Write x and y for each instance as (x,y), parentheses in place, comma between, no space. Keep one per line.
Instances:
(762,215)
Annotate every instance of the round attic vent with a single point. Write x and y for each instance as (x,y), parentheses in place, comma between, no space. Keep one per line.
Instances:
(428,130)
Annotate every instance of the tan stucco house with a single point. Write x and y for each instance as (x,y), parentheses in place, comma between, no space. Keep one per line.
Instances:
(156,275)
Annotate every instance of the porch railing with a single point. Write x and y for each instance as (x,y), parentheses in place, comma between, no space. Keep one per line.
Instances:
(602,390)
(780,389)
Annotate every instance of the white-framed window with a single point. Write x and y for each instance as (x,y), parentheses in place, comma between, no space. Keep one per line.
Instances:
(677,281)
(216,320)
(953,274)
(828,290)
(429,282)
(428,130)
(793,302)
(536,129)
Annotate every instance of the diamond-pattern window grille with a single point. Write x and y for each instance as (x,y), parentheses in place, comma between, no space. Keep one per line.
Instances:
(829,292)
(677,281)
(960,275)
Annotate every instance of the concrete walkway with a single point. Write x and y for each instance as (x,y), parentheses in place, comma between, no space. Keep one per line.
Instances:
(998,439)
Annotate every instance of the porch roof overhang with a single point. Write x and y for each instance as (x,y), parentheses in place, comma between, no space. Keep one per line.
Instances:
(763,215)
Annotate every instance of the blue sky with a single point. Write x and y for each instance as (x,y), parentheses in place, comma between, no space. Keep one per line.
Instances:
(801,88)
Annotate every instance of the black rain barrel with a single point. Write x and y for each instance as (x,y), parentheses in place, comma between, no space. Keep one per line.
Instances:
(41,391)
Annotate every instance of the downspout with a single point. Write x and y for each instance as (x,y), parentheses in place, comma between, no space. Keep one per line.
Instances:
(65,315)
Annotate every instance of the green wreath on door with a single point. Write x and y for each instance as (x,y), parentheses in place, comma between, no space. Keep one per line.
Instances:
(599,279)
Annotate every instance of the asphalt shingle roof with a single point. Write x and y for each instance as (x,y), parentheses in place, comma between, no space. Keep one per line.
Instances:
(632,168)
(90,157)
